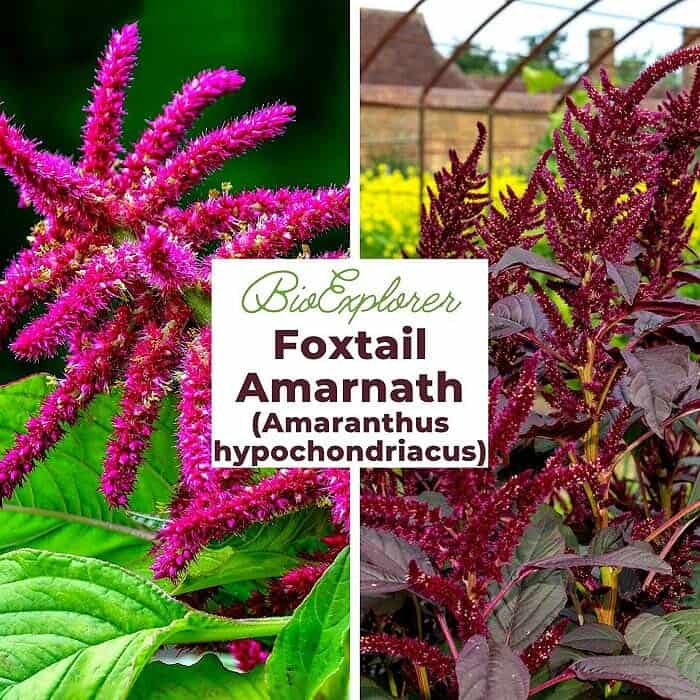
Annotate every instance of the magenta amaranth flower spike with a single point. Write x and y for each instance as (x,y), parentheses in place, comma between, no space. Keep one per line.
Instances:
(106,276)
(305,215)
(201,157)
(338,485)
(211,517)
(147,377)
(106,111)
(164,262)
(87,373)
(50,182)
(119,261)
(194,419)
(440,666)
(165,132)
(224,214)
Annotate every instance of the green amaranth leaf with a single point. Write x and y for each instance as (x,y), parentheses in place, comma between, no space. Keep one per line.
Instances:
(59,507)
(673,639)
(531,605)
(206,679)
(263,551)
(73,627)
(309,659)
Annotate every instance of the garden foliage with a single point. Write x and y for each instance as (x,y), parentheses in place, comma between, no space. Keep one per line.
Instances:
(568,568)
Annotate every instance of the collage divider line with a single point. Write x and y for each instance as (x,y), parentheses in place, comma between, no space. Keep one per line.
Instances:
(354,685)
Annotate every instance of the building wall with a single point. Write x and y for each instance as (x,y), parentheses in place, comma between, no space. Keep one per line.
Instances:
(390,134)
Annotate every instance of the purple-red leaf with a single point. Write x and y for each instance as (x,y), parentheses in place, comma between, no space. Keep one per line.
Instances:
(626,278)
(531,605)
(595,638)
(637,555)
(673,305)
(648,322)
(689,330)
(687,274)
(514,314)
(488,670)
(533,261)
(658,376)
(660,678)
(384,560)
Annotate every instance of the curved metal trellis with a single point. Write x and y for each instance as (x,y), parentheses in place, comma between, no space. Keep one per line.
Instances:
(536,50)
(602,55)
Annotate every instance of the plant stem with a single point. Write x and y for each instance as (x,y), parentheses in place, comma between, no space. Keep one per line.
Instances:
(419,616)
(504,592)
(612,689)
(392,684)
(608,574)
(577,605)
(448,636)
(421,672)
(667,548)
(566,676)
(191,632)
(423,682)
(691,507)
(606,613)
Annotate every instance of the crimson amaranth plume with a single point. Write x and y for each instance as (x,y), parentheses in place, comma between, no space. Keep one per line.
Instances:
(485,582)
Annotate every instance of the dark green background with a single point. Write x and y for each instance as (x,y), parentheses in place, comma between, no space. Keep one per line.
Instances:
(291,50)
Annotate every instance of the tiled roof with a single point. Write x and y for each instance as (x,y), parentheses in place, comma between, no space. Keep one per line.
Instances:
(408,58)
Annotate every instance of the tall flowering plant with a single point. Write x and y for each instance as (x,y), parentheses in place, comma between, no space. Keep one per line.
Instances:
(117,276)
(569,565)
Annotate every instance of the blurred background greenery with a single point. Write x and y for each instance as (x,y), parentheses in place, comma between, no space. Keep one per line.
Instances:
(291,51)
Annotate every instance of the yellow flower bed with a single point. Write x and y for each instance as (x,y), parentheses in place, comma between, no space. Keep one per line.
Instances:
(389,209)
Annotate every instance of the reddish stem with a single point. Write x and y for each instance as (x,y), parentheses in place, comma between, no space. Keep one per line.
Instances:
(504,592)
(448,635)
(672,521)
(566,676)
(667,548)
